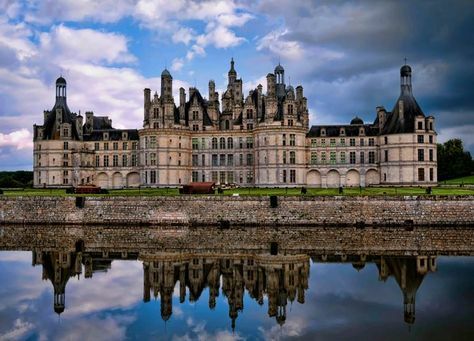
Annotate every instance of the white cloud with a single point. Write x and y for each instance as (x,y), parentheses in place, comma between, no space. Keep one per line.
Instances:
(183,35)
(177,64)
(19,330)
(461,132)
(64,44)
(220,37)
(19,139)
(276,43)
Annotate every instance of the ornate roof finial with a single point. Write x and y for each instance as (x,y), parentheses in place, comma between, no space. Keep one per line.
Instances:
(405,60)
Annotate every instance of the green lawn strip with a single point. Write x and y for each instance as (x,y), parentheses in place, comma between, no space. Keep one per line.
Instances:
(348,191)
(467,180)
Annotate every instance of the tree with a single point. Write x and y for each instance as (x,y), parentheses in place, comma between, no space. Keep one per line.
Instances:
(453,161)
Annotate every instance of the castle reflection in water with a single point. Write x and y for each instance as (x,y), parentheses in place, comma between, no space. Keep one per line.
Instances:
(281,278)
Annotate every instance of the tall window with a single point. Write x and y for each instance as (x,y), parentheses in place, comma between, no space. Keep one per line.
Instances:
(97,161)
(352,157)
(421,138)
(124,161)
(222,160)
(96,146)
(230,143)
(125,146)
(106,146)
(115,161)
(152,142)
(284,176)
(314,158)
(195,160)
(214,160)
(431,174)
(431,154)
(134,160)
(372,157)
(284,157)
(314,143)
(249,159)
(386,155)
(153,159)
(195,143)
(106,161)
(195,115)
(352,142)
(292,140)
(214,143)
(343,142)
(66,146)
(249,114)
(332,142)
(115,145)
(371,142)
(153,177)
(241,142)
(249,142)
(421,174)
(421,155)
(332,158)
(290,109)
(292,158)
(284,140)
(195,176)
(323,157)
(249,126)
(343,157)
(230,160)
(292,175)
(362,157)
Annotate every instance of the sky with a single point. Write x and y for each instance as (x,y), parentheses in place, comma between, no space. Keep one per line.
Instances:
(345,54)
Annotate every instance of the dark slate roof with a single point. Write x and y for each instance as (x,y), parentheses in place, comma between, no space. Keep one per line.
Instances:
(203,103)
(114,135)
(60,80)
(67,117)
(101,123)
(165,73)
(395,124)
(357,120)
(350,130)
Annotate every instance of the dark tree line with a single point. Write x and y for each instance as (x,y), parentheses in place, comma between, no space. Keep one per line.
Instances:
(16,179)
(453,160)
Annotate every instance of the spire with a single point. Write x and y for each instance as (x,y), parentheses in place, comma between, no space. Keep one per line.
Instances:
(232,70)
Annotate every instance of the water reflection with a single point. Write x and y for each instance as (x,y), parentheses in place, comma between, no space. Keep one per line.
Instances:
(281,279)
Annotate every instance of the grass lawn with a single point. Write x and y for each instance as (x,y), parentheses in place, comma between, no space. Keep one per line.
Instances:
(467,180)
(372,191)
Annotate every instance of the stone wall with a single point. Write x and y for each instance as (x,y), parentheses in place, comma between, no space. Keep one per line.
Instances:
(240,211)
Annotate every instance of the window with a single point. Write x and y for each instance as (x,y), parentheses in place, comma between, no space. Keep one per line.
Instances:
(66,132)
(66,145)
(314,158)
(222,160)
(153,159)
(115,161)
(195,115)
(153,177)
(96,146)
(230,160)
(124,161)
(249,114)
(292,140)
(249,126)
(292,158)
(343,142)
(352,157)
(134,145)
(371,157)
(284,140)
(97,160)
(249,142)
(421,139)
(106,146)
(249,177)
(361,142)
(134,160)
(431,154)
(195,127)
(323,157)
(106,161)
(421,155)
(352,142)
(125,146)
(214,160)
(230,143)
(332,142)
(323,132)
(195,161)
(241,142)
(222,177)
(421,174)
(195,143)
(371,142)
(115,145)
(314,143)
(431,125)
(430,138)
(420,125)
(332,158)
(152,142)
(214,176)
(292,175)
(241,159)
(290,109)
(386,155)
(284,176)
(227,125)
(362,157)
(284,157)
(203,160)
(230,177)
(290,123)
(323,142)
(431,174)
(155,125)
(249,159)
(214,143)
(195,176)
(343,157)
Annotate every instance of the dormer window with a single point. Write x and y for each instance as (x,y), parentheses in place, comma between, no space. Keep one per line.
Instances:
(420,125)
(361,131)
(106,136)
(323,132)
(342,132)
(124,136)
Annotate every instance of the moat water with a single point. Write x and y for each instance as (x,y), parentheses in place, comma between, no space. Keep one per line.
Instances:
(92,292)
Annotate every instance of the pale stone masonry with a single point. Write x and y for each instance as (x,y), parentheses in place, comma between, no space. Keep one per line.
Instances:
(258,140)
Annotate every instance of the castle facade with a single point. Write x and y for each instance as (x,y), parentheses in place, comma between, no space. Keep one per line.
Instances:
(258,140)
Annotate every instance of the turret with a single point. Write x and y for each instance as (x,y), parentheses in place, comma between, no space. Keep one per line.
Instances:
(232,74)
(146,104)
(299,93)
(280,81)
(212,91)
(166,86)
(405,80)
(271,91)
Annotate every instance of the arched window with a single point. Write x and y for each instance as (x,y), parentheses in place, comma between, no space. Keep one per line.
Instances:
(222,143)
(230,143)
(214,143)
